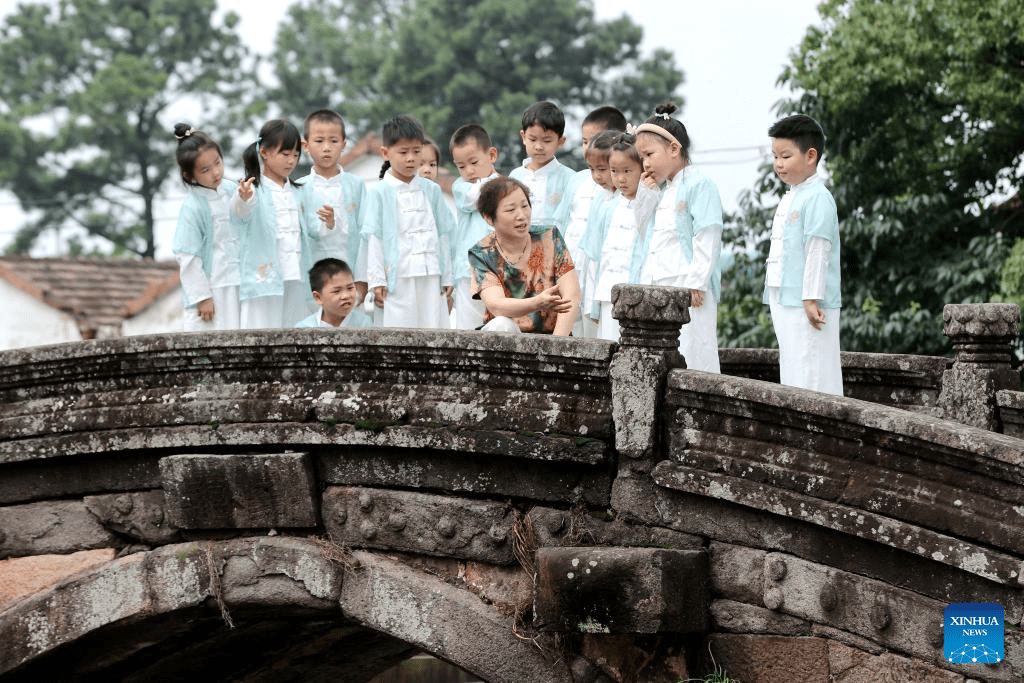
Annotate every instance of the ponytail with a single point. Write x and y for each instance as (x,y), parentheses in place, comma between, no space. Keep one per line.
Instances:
(384,168)
(251,162)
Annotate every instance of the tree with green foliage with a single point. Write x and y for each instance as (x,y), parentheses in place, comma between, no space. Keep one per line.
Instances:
(83,102)
(923,106)
(480,61)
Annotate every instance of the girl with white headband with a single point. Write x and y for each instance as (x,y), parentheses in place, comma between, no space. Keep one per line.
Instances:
(684,240)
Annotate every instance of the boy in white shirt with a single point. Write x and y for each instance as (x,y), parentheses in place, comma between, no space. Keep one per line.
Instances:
(408,227)
(580,195)
(324,141)
(802,282)
(474,157)
(335,294)
(543,132)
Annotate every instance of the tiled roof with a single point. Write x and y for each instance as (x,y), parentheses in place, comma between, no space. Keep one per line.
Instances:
(97,291)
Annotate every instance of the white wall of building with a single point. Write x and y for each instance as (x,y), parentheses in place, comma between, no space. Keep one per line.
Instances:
(166,314)
(27,321)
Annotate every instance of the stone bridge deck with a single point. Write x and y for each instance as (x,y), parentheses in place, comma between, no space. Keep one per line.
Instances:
(530,509)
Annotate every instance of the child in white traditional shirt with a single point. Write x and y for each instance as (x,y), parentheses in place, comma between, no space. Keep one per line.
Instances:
(275,216)
(615,236)
(685,240)
(205,241)
(474,157)
(335,293)
(543,132)
(580,195)
(408,227)
(802,282)
(430,161)
(324,141)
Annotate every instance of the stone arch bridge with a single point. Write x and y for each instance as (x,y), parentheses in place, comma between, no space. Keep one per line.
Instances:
(302,505)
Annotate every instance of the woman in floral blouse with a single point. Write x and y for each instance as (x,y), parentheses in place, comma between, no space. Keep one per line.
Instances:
(524,274)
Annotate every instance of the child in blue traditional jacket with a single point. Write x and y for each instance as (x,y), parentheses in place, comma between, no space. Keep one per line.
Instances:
(408,227)
(615,232)
(802,282)
(324,141)
(205,241)
(583,189)
(543,133)
(275,216)
(685,240)
(474,157)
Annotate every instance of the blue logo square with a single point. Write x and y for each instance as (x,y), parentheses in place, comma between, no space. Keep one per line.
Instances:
(973,633)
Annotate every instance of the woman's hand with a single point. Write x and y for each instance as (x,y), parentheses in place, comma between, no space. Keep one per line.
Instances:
(551,300)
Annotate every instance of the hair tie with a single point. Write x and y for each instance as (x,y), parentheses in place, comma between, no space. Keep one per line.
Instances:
(186,134)
(631,129)
(258,140)
(663,115)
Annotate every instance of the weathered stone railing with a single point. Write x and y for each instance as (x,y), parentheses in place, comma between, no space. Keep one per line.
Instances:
(386,489)
(899,380)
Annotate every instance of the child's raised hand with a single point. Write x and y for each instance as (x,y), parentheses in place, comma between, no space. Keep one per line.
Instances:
(380,293)
(205,309)
(245,189)
(647,178)
(696,298)
(815,315)
(326,214)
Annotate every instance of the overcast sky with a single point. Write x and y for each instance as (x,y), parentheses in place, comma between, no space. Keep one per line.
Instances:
(731,52)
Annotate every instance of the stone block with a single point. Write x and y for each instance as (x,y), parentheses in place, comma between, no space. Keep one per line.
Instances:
(419,523)
(138,514)
(849,665)
(239,491)
(45,528)
(739,617)
(444,620)
(771,659)
(621,590)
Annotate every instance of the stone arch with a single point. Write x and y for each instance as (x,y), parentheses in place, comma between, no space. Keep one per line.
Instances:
(167,611)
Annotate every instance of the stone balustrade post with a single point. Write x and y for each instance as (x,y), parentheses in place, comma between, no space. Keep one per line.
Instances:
(650,318)
(982,337)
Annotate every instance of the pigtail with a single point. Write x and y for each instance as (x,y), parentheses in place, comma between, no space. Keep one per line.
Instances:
(251,162)
(384,168)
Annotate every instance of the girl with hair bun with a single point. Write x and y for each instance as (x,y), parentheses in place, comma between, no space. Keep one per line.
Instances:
(684,240)
(205,241)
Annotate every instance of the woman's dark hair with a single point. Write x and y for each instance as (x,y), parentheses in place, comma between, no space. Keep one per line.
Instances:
(662,117)
(274,135)
(397,128)
(494,191)
(191,143)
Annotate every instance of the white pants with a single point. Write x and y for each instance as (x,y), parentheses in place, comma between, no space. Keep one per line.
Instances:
(607,327)
(414,302)
(226,312)
(698,339)
(469,312)
(501,324)
(280,310)
(808,358)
